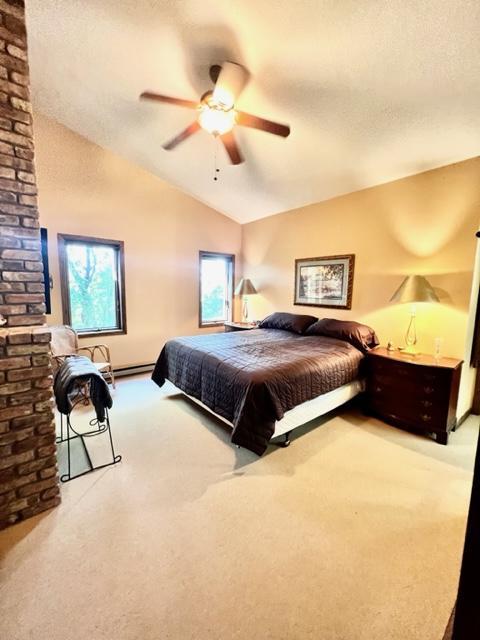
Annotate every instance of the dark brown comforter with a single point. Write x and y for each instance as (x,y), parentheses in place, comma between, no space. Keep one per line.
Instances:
(251,378)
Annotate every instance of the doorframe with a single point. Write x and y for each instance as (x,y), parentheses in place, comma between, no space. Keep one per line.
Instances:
(466,623)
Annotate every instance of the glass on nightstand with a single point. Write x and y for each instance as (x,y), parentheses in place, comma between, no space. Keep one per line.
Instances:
(437,351)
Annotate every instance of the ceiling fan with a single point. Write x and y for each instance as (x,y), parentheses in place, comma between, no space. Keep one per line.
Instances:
(216,111)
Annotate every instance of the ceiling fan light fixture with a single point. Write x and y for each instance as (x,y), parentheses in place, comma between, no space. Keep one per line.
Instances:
(223,97)
(215,119)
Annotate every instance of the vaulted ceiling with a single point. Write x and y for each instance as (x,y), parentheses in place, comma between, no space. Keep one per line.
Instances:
(373,90)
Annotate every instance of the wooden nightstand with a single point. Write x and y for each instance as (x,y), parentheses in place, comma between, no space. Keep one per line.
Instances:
(240,326)
(416,392)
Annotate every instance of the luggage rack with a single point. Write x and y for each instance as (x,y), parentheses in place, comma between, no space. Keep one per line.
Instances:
(97,428)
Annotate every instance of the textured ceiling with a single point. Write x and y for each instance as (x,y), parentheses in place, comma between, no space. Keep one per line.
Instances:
(373,90)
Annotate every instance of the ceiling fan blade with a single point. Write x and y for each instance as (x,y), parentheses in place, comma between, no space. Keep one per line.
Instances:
(254,122)
(230,83)
(186,133)
(149,95)
(231,147)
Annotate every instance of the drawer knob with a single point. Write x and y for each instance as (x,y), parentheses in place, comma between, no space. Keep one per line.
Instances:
(426,418)
(378,389)
(428,390)
(426,403)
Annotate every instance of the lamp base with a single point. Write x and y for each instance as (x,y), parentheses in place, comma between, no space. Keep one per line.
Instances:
(245,309)
(409,350)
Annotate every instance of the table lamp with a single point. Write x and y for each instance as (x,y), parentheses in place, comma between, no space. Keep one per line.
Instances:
(413,289)
(245,288)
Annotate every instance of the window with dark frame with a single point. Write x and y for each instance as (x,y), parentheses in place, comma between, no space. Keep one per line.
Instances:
(93,284)
(216,275)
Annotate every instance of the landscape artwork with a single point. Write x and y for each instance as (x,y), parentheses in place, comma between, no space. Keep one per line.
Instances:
(324,281)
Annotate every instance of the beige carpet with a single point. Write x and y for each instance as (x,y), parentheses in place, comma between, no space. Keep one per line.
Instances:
(355,532)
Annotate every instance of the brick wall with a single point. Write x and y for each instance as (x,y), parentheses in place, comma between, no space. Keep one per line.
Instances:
(28,464)
(21,279)
(28,472)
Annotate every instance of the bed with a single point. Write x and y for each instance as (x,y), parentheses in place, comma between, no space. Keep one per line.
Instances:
(263,382)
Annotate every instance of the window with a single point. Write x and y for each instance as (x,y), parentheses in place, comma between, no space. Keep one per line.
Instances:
(93,289)
(216,288)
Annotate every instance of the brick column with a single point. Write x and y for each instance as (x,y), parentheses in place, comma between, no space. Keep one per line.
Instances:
(28,463)
(21,279)
(28,477)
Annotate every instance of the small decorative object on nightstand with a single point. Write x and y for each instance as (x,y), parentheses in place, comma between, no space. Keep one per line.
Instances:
(417,392)
(239,326)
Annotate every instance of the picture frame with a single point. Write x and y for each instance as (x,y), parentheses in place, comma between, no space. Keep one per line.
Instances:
(325,281)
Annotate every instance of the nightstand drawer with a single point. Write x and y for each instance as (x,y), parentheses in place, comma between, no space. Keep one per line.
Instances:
(411,380)
(431,418)
(404,372)
(419,398)
(408,387)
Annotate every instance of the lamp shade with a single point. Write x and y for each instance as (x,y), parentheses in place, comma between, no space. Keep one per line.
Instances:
(245,288)
(415,289)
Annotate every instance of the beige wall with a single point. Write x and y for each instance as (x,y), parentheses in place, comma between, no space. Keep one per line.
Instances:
(424,224)
(87,190)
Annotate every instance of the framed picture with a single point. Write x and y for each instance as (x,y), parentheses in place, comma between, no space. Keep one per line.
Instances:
(325,281)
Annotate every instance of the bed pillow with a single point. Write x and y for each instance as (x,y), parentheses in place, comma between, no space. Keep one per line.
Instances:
(293,322)
(359,335)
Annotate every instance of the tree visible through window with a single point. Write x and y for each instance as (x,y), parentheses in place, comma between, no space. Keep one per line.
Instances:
(92,279)
(216,288)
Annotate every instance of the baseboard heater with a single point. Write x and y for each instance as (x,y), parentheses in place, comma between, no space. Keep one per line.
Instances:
(133,370)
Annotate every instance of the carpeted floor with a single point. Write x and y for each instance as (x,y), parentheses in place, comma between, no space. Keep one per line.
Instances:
(354,532)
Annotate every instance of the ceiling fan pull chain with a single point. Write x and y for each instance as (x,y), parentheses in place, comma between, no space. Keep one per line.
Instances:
(216,169)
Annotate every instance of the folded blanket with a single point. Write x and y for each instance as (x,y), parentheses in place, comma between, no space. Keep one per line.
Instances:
(79,369)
